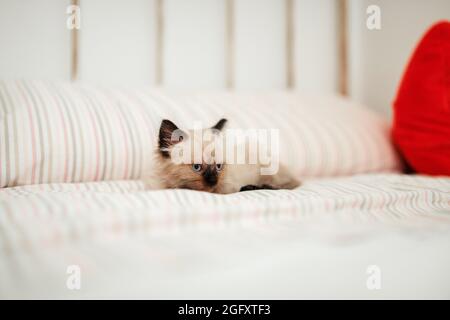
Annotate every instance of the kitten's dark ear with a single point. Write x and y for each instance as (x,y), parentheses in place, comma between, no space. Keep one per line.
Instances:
(169,134)
(219,125)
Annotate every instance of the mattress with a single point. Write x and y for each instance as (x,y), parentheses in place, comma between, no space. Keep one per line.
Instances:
(322,240)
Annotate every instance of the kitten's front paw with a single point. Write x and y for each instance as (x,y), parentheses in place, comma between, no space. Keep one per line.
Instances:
(251,187)
(248,187)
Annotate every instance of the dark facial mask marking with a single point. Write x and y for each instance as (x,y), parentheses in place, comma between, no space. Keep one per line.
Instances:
(210,175)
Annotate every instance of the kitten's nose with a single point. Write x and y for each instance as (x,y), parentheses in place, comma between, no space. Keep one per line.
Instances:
(210,176)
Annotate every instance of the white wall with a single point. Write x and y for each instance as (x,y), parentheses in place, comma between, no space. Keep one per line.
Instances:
(260,45)
(378,58)
(34,40)
(316,43)
(194,50)
(117,43)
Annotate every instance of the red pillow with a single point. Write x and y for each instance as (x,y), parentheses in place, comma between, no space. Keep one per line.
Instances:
(422,107)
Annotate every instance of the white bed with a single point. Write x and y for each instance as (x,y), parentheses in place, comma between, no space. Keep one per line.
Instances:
(71,154)
(317,241)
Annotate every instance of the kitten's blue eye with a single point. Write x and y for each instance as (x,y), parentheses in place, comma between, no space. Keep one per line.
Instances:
(219,166)
(196,167)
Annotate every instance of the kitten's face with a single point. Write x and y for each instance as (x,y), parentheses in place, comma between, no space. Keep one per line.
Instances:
(187,160)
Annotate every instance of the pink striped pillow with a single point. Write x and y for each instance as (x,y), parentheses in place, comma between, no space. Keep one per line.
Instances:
(52,132)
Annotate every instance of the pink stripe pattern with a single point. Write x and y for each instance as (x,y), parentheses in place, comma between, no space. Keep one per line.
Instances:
(103,133)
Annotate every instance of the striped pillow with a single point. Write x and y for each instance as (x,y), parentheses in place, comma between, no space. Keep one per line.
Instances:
(53,132)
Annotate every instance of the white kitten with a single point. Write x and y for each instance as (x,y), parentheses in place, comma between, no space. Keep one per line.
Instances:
(193,160)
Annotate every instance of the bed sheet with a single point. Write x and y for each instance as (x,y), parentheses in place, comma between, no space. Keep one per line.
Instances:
(326,239)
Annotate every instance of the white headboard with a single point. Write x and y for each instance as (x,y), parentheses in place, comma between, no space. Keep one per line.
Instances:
(237,44)
(320,46)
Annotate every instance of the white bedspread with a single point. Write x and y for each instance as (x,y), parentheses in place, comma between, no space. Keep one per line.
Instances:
(314,242)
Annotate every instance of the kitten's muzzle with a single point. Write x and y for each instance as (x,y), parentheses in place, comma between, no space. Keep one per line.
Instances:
(210,176)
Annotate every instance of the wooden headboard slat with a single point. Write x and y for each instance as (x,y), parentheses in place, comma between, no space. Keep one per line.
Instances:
(159,45)
(74,49)
(290,44)
(343,49)
(229,44)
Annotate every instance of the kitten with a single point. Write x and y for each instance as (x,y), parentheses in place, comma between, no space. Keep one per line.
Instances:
(177,165)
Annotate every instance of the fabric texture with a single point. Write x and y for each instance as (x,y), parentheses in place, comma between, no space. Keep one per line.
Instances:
(422,107)
(316,241)
(53,132)
(119,206)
